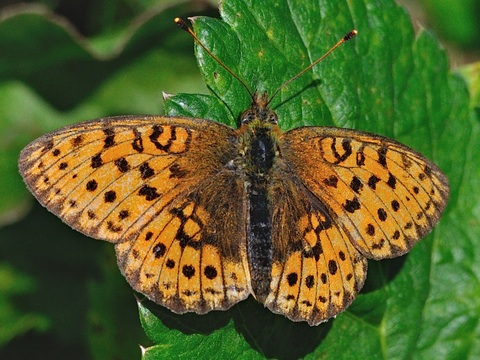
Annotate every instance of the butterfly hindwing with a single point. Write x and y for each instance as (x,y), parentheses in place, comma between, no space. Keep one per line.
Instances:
(185,258)
(316,272)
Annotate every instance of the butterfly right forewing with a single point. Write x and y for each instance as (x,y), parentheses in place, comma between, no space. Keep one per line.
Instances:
(385,195)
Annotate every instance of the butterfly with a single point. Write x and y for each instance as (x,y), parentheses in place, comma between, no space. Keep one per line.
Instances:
(203,215)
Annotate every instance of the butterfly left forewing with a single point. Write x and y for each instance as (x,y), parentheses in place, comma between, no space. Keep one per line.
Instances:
(102,177)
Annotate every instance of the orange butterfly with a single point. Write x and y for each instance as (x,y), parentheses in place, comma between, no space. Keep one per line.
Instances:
(203,215)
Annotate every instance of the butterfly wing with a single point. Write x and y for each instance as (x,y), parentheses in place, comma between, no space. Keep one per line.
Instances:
(316,270)
(385,195)
(150,185)
(341,196)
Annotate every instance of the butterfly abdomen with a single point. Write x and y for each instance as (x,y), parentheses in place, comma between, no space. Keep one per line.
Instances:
(259,157)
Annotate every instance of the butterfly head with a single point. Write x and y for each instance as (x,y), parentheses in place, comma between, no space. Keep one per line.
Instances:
(259,110)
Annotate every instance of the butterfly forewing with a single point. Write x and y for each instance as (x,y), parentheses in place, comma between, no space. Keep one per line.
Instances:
(383,194)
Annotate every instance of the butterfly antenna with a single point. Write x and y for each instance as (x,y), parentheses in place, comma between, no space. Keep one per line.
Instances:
(347,37)
(183,25)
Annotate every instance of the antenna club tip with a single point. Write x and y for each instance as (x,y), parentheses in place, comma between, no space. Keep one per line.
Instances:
(350,35)
(182,24)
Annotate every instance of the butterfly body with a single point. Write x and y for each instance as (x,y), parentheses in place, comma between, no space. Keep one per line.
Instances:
(258,150)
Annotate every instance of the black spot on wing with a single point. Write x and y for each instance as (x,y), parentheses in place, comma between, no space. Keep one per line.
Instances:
(110,138)
(347,150)
(332,181)
(97,161)
(122,165)
(332,267)
(356,185)
(352,205)
(382,156)
(188,271)
(137,143)
(292,279)
(110,196)
(372,182)
(210,272)
(149,192)
(392,181)
(146,171)
(91,185)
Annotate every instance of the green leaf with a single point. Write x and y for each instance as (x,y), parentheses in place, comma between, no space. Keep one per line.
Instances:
(384,81)
(471,74)
(173,343)
(15,322)
(456,21)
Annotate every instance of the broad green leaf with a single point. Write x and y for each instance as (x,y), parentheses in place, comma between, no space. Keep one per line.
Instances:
(176,341)
(386,81)
(471,74)
(456,21)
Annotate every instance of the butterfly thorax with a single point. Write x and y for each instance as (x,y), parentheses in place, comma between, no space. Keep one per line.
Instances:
(258,149)
(258,140)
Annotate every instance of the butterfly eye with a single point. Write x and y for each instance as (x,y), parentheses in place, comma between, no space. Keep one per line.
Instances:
(247,116)
(272,118)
